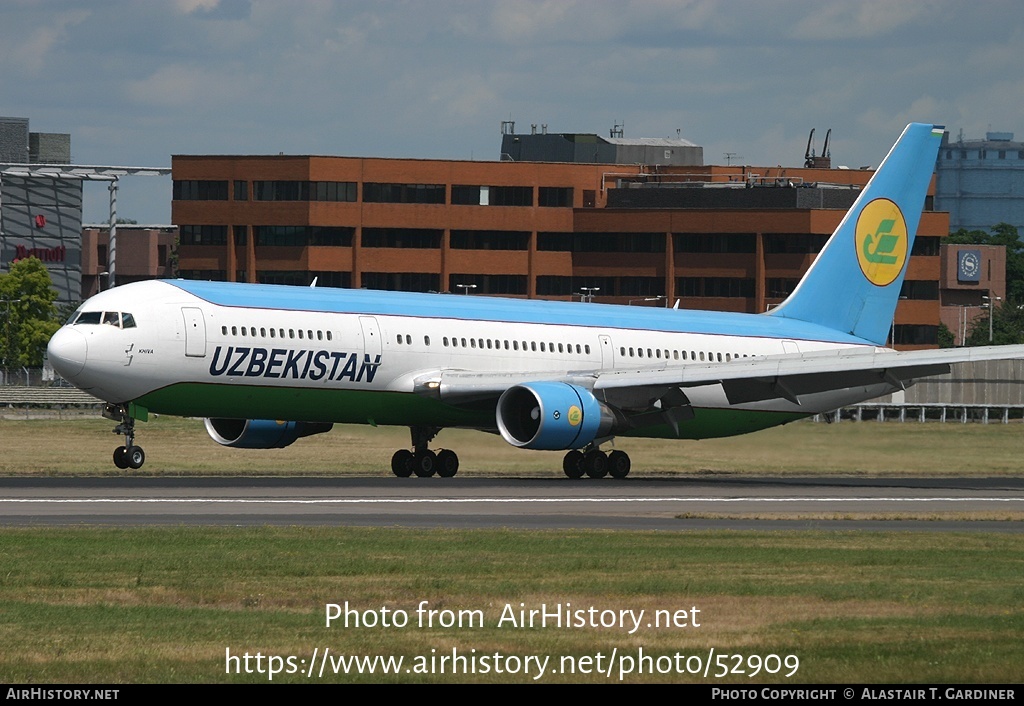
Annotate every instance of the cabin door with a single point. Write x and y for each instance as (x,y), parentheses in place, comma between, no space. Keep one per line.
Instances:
(607,353)
(371,336)
(195,332)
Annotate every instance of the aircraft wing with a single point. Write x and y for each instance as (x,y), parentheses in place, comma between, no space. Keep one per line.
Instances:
(787,376)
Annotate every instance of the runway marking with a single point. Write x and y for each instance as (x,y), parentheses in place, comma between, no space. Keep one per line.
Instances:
(440,501)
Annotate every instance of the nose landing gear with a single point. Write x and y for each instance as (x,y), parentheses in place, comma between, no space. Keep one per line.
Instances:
(129,455)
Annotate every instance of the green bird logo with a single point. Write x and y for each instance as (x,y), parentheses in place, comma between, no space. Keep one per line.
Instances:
(885,244)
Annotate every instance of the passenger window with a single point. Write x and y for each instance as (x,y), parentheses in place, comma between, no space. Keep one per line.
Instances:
(426,340)
(224,330)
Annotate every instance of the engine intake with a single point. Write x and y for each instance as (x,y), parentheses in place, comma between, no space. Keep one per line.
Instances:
(552,416)
(261,433)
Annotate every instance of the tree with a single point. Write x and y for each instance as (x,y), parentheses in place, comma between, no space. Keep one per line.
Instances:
(1007,327)
(945,336)
(30,315)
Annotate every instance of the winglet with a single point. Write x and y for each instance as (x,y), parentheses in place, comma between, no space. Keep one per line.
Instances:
(854,284)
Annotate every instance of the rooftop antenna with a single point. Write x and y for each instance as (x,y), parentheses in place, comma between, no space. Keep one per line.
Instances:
(618,130)
(728,158)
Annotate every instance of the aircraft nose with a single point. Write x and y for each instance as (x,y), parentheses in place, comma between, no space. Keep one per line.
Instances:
(67,352)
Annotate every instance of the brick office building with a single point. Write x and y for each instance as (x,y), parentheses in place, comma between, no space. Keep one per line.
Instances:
(714,237)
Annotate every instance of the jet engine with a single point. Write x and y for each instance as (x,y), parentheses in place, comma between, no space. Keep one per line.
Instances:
(261,433)
(552,416)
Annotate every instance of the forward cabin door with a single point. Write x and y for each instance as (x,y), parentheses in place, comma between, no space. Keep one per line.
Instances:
(607,353)
(371,337)
(195,332)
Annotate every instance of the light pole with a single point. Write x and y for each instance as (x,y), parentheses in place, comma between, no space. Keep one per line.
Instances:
(991,311)
(466,287)
(587,293)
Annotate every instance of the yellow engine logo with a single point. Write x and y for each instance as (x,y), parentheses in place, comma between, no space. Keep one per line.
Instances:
(575,416)
(881,240)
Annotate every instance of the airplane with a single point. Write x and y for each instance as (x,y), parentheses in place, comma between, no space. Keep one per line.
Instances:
(265,365)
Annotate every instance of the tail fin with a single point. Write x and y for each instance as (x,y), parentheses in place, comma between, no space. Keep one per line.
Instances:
(854,284)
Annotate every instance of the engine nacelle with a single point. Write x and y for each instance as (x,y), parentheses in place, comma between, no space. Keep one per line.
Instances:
(261,433)
(552,416)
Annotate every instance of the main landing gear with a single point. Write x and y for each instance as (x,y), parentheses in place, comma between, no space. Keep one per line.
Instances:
(596,464)
(129,455)
(421,461)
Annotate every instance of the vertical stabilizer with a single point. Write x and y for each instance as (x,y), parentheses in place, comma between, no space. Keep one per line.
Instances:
(854,284)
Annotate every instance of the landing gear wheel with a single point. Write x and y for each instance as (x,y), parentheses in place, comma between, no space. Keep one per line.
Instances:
(619,464)
(425,463)
(135,457)
(596,464)
(402,463)
(572,464)
(447,463)
(121,457)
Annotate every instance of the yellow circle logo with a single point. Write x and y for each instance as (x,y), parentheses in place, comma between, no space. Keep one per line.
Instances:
(575,416)
(881,240)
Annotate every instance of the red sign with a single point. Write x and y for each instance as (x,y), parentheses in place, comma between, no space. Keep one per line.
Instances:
(56,254)
(40,221)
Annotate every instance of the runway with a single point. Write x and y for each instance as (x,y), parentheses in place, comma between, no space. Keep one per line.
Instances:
(672,504)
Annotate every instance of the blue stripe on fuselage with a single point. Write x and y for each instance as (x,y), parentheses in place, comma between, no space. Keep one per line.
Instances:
(479,308)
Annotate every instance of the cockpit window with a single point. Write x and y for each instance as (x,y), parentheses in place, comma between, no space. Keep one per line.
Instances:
(111,318)
(89,317)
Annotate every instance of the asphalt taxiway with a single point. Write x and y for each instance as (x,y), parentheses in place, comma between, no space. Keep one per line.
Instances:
(662,503)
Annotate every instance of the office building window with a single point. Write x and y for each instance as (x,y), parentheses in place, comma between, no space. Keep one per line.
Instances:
(490,240)
(726,287)
(714,242)
(301,236)
(203,235)
(555,196)
(402,281)
(489,284)
(199,190)
(423,238)
(403,193)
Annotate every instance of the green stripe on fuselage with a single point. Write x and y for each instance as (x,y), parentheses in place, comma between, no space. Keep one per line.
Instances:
(404,409)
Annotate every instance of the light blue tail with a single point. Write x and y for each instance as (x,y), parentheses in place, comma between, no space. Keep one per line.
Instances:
(854,284)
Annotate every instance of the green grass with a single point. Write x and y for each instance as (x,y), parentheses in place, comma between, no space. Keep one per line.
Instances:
(181,446)
(162,605)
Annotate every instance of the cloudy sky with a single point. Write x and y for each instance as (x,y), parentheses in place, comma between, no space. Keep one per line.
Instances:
(135,82)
